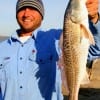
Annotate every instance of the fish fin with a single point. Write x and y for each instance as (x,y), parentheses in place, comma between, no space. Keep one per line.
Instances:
(85,79)
(61,41)
(85,32)
(64,82)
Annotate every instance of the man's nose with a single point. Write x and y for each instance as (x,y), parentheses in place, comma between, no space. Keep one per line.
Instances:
(27,12)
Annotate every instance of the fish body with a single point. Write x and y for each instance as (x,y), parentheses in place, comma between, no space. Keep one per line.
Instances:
(76,41)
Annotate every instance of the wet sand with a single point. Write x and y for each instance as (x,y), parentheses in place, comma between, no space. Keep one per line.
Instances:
(87,94)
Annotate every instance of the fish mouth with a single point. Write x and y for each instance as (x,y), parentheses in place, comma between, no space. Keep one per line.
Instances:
(76,17)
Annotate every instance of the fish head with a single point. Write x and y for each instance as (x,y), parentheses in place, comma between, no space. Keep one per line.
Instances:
(79,11)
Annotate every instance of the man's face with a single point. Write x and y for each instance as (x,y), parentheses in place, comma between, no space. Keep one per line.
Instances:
(29,19)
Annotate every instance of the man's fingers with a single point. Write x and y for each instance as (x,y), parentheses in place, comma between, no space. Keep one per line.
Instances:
(92,6)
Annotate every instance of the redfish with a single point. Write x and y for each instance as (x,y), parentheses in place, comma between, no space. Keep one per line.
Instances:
(76,38)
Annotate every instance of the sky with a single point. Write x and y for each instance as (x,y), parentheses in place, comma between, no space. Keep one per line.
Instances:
(54,13)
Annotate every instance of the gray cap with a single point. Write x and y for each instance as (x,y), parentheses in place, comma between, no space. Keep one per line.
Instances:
(37,4)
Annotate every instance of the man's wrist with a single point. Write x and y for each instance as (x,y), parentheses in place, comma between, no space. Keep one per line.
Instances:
(95,18)
(98,16)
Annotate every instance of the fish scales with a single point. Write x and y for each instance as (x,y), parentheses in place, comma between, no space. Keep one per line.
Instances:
(76,37)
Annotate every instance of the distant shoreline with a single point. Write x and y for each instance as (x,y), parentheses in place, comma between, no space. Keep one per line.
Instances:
(2,38)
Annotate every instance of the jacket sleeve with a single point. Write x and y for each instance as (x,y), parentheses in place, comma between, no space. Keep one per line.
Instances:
(94,50)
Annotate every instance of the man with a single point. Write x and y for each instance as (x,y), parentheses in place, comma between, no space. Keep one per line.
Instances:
(28,59)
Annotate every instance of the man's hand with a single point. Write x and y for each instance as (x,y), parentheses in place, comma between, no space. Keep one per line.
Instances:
(92,6)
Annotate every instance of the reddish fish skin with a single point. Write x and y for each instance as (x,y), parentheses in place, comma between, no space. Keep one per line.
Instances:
(76,37)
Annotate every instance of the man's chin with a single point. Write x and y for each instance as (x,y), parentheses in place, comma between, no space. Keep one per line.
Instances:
(27,30)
